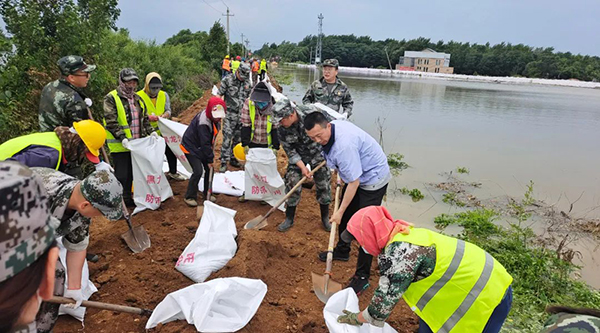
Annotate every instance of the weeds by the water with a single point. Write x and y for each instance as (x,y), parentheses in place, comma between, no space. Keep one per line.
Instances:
(452,199)
(462,170)
(282,78)
(396,163)
(415,194)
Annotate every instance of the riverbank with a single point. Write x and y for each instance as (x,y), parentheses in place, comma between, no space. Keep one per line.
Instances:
(386,73)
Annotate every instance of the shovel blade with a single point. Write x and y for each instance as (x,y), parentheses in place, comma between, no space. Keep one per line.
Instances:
(137,239)
(256,223)
(319,287)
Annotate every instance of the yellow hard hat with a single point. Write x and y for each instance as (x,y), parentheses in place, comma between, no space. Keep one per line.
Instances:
(92,134)
(238,152)
(227,56)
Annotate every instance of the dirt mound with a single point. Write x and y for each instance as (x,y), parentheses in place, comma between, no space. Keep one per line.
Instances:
(284,261)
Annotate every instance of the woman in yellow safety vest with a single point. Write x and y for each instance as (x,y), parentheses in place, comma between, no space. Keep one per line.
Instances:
(452,285)
(125,118)
(63,150)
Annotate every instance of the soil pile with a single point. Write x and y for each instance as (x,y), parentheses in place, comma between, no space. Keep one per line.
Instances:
(284,261)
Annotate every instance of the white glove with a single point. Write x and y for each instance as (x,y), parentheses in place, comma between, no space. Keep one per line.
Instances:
(76,295)
(88,102)
(125,143)
(154,135)
(104,166)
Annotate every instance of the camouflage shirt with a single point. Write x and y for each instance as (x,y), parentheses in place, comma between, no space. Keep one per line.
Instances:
(74,228)
(296,143)
(234,92)
(572,323)
(61,104)
(400,264)
(338,96)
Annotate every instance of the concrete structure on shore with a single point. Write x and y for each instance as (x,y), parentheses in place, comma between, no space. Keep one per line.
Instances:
(427,61)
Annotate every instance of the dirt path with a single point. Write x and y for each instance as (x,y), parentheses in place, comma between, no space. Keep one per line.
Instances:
(284,261)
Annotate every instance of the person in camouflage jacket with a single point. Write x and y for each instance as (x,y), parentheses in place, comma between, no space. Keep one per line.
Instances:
(73,203)
(301,150)
(330,90)
(62,101)
(572,320)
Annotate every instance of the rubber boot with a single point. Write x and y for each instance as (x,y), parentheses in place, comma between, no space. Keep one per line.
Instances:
(325,217)
(290,212)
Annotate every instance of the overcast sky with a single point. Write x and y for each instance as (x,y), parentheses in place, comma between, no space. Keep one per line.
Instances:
(565,25)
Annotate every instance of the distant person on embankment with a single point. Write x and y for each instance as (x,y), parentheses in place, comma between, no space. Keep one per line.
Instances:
(363,166)
(197,144)
(452,285)
(226,67)
(28,252)
(330,90)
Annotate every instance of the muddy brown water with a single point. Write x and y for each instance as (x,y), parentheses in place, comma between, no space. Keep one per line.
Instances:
(506,135)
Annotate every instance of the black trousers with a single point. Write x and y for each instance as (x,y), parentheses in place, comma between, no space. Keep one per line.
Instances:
(171,160)
(124,173)
(197,166)
(362,199)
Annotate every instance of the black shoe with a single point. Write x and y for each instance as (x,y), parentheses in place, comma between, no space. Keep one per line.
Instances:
(337,255)
(92,257)
(290,212)
(235,163)
(359,284)
(325,217)
(129,203)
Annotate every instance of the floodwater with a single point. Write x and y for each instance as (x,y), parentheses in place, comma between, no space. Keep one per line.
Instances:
(506,135)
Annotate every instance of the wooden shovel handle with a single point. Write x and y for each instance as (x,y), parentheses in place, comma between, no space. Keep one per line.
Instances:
(333,231)
(102,306)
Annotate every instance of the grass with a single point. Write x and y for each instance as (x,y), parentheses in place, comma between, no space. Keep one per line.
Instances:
(462,170)
(415,194)
(452,199)
(396,163)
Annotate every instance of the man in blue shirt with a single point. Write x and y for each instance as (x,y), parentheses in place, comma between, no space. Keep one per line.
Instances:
(362,165)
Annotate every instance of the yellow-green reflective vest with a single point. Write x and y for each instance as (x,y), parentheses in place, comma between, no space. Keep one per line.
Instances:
(465,287)
(115,145)
(47,139)
(253,116)
(234,65)
(263,66)
(158,110)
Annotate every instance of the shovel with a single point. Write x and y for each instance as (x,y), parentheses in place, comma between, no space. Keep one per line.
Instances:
(260,221)
(200,209)
(102,306)
(136,237)
(323,286)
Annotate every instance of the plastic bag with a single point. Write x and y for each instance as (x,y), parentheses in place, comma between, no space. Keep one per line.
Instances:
(172,132)
(229,183)
(219,305)
(346,300)
(213,245)
(150,185)
(87,286)
(262,180)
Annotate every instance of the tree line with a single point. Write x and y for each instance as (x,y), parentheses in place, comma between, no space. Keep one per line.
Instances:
(502,59)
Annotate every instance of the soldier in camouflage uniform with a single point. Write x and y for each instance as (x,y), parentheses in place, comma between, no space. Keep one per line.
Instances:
(330,90)
(62,101)
(301,150)
(572,320)
(74,203)
(234,90)
(27,247)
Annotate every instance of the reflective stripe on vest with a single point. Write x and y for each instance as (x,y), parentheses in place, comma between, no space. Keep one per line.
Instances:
(234,65)
(47,139)
(114,144)
(253,116)
(158,110)
(463,290)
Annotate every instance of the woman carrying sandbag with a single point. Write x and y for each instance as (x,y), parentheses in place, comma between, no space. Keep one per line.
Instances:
(197,144)
(452,285)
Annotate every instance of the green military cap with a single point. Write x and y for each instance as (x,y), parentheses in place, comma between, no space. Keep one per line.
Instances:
(128,74)
(244,70)
(26,230)
(71,64)
(105,193)
(282,108)
(331,62)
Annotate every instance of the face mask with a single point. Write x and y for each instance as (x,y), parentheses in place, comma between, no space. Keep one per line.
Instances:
(262,105)
(154,90)
(365,250)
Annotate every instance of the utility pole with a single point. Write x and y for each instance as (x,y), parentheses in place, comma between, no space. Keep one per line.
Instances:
(310,56)
(319,40)
(247,46)
(228,15)
(243,46)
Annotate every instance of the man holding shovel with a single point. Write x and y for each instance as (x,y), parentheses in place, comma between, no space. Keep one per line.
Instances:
(362,165)
(301,150)
(73,203)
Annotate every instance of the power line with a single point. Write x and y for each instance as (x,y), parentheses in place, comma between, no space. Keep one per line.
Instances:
(209,5)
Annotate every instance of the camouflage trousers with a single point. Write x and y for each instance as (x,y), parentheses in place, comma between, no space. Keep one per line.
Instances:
(48,313)
(571,322)
(322,179)
(232,134)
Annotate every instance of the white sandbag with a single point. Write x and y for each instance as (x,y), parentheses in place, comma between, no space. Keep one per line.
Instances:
(331,112)
(87,286)
(229,183)
(215,91)
(219,305)
(150,186)
(262,180)
(213,245)
(346,300)
(172,132)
